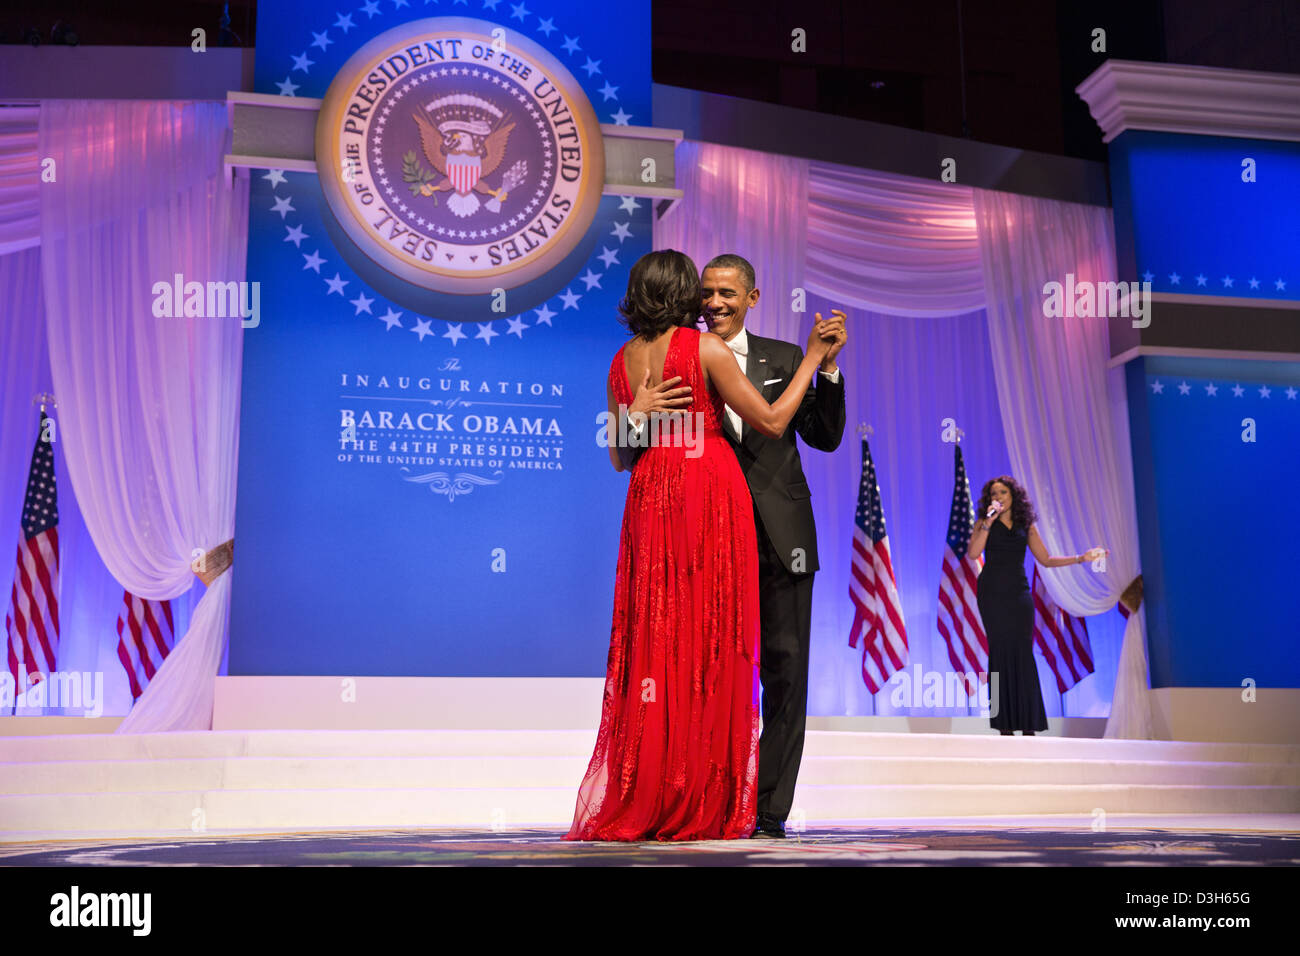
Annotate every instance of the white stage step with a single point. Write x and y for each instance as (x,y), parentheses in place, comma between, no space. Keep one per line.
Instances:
(180,784)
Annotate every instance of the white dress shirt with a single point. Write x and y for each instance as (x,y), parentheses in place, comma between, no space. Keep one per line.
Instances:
(739,344)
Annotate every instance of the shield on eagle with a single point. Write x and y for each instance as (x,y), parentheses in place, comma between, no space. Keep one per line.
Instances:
(463,170)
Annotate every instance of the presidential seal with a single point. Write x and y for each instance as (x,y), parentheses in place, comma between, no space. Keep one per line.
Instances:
(459,156)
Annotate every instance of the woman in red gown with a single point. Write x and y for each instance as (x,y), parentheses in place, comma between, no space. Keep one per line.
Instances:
(676,755)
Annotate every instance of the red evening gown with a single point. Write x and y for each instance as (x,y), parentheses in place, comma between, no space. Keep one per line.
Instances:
(676,755)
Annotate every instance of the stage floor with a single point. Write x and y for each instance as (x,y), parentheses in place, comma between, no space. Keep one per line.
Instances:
(1180,840)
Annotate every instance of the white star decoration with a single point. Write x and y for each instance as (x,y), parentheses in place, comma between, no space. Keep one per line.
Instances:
(1212,390)
(1254,283)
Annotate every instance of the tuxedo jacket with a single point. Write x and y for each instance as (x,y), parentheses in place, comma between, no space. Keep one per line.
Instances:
(782,500)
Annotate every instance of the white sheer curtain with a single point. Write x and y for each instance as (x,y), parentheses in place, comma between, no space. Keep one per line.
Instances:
(750,204)
(149,405)
(892,244)
(89,597)
(1057,411)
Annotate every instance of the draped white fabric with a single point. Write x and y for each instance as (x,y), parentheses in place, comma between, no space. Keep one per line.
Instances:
(20,179)
(1057,410)
(898,249)
(149,405)
(891,243)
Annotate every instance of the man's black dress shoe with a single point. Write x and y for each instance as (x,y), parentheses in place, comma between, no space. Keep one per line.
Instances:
(768,829)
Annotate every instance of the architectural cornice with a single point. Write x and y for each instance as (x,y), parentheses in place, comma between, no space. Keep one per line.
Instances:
(1207,101)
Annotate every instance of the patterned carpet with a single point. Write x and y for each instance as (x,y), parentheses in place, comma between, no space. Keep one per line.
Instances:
(839,846)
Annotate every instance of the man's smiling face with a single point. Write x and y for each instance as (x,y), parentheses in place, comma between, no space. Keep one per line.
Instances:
(725,300)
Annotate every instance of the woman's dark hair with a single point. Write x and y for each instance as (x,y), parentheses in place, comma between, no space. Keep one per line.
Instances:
(663,291)
(1022,510)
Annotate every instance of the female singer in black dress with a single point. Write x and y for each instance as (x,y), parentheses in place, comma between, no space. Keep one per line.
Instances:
(1006,604)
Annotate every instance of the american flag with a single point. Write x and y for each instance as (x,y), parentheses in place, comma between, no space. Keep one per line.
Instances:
(878,614)
(959,615)
(32,621)
(144,638)
(1062,639)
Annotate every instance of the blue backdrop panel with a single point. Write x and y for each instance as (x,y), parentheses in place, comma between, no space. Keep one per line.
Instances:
(487,549)
(1220,518)
(1190,224)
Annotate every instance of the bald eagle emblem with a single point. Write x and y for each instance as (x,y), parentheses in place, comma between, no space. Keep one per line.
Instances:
(464,137)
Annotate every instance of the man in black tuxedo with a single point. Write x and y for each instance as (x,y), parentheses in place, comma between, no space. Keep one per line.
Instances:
(783,519)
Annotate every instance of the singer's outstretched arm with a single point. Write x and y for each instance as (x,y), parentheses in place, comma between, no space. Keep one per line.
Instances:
(1039,550)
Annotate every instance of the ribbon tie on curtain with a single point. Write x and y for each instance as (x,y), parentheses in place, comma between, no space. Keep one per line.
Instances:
(212,564)
(1132,596)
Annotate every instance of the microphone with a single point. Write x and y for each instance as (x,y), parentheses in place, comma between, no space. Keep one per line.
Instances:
(993,509)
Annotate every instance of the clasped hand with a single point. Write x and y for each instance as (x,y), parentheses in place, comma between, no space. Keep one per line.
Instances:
(827,337)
